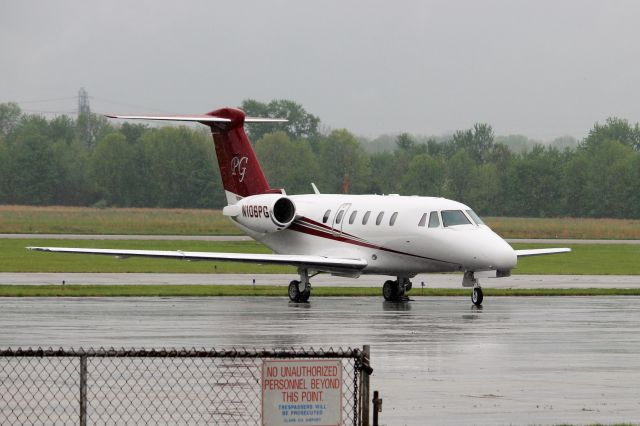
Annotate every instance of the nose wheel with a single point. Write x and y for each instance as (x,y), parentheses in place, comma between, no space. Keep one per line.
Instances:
(477,296)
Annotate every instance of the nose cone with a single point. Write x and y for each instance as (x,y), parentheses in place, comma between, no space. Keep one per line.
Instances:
(501,255)
(484,250)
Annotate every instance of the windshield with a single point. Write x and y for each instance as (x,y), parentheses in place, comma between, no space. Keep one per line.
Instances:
(475,217)
(453,218)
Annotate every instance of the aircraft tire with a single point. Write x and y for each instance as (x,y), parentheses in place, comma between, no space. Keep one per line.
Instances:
(390,291)
(294,291)
(477,296)
(304,296)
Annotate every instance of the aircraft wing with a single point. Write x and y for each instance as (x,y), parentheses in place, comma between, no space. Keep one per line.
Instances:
(315,262)
(540,252)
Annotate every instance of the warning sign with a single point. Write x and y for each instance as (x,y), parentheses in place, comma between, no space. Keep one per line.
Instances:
(302,392)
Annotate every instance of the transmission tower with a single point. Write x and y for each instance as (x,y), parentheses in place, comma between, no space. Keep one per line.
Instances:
(83,102)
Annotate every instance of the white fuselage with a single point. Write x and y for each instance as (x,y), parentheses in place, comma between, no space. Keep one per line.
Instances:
(406,245)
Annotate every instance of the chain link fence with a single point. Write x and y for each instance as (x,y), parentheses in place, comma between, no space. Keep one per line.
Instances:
(167,386)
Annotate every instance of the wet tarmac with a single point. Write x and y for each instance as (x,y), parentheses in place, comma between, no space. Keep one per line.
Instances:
(436,360)
(429,280)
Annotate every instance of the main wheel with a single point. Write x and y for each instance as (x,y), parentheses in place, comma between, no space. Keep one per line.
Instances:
(390,291)
(476,296)
(304,296)
(294,291)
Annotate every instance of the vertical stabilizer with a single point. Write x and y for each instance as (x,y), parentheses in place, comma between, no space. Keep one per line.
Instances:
(239,168)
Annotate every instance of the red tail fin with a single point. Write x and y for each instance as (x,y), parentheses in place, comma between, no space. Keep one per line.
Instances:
(239,168)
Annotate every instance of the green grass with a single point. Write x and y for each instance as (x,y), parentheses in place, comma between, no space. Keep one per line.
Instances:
(280,291)
(566,227)
(586,259)
(86,220)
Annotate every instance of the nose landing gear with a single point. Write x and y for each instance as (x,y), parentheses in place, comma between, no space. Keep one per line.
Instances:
(476,296)
(469,280)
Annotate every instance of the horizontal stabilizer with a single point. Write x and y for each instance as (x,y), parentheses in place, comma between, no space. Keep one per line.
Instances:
(264,120)
(541,252)
(194,118)
(197,118)
(316,262)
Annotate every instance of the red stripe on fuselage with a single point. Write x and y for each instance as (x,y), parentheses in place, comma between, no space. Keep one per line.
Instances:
(301,226)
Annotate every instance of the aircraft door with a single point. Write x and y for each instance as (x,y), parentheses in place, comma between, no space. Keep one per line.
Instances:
(340,218)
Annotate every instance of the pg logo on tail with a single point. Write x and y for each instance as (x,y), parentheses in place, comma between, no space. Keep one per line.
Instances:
(239,167)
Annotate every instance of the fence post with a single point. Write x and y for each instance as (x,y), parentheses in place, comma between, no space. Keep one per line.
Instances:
(377,407)
(364,385)
(83,390)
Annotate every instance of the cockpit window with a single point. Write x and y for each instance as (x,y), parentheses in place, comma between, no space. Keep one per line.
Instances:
(454,217)
(434,221)
(475,217)
(325,218)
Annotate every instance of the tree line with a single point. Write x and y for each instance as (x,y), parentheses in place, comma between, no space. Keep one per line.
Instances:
(90,161)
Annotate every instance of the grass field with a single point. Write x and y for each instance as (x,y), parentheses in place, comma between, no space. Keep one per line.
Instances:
(586,259)
(84,220)
(276,291)
(579,228)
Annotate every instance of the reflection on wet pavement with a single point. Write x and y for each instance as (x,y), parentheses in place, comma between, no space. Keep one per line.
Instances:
(517,360)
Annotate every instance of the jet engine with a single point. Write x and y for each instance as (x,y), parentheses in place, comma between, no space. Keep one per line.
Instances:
(263,213)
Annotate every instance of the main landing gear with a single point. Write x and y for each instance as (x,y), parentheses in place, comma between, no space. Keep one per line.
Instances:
(299,291)
(395,291)
(469,280)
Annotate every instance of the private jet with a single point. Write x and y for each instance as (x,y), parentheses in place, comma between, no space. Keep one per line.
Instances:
(340,234)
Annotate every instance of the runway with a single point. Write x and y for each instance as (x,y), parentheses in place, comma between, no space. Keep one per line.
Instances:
(430,280)
(546,360)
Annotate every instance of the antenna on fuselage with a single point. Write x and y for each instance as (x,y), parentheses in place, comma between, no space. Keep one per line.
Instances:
(315,188)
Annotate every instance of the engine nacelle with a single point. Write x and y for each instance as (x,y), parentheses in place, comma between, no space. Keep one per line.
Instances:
(263,213)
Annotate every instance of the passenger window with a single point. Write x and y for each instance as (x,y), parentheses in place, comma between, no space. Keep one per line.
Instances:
(352,218)
(434,221)
(365,218)
(379,218)
(339,217)
(325,218)
(393,218)
(423,220)
(453,218)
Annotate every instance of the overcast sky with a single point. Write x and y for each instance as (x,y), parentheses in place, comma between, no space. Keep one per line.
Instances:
(539,68)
